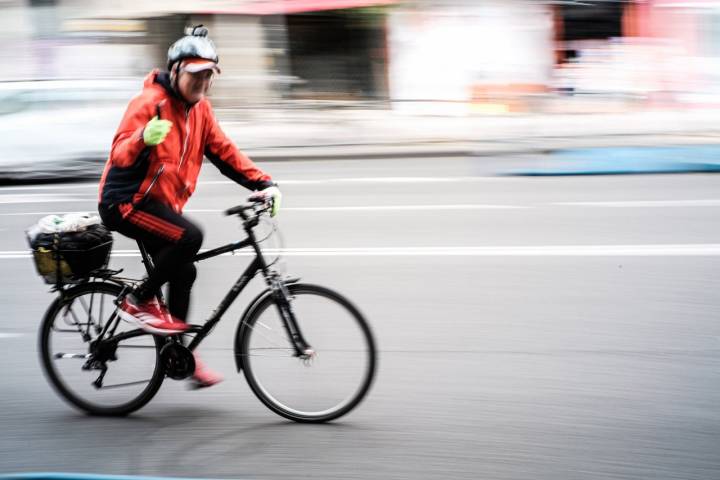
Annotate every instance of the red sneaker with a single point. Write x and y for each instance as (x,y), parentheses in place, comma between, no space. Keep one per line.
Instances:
(150,316)
(203,376)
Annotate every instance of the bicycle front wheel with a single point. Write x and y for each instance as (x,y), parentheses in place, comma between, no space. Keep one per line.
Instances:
(319,388)
(133,369)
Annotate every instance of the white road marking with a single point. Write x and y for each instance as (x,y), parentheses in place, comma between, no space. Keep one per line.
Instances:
(360,208)
(15,254)
(94,185)
(42,214)
(710,202)
(349,208)
(42,198)
(700,249)
(404,207)
(72,186)
(318,181)
(10,335)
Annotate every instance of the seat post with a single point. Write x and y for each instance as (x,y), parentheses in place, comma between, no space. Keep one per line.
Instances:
(148,262)
(146,258)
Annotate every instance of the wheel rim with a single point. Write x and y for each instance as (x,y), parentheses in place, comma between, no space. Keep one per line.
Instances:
(332,381)
(67,351)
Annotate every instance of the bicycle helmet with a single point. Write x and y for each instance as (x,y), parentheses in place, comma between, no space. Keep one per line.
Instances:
(195,45)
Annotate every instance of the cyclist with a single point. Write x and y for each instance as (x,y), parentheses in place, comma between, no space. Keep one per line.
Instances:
(152,170)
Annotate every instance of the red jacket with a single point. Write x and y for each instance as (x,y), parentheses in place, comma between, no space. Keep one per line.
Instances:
(168,172)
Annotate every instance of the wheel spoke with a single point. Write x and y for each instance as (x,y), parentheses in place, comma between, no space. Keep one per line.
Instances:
(99,326)
(72,355)
(126,384)
(125,360)
(65,330)
(339,376)
(271,340)
(89,311)
(67,311)
(272,348)
(288,353)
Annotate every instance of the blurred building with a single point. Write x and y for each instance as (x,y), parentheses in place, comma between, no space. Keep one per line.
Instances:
(486,56)
(646,52)
(492,55)
(270,50)
(523,55)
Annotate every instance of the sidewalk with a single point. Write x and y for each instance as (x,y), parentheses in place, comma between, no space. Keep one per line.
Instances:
(274,134)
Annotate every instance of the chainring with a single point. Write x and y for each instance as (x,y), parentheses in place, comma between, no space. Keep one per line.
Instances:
(178,361)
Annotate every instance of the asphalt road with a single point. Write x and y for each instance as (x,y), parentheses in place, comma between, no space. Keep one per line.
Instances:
(529,328)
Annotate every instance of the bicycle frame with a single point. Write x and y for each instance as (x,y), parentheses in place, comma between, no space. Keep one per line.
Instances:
(258,264)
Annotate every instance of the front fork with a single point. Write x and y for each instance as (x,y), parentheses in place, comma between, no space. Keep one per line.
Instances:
(283,302)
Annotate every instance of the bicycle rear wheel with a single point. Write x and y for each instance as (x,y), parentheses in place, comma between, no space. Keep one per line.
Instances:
(134,371)
(317,389)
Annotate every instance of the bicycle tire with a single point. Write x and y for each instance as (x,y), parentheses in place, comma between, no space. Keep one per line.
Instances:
(55,378)
(242,348)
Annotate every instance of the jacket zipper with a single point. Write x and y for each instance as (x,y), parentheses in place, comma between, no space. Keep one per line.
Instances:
(187,130)
(152,183)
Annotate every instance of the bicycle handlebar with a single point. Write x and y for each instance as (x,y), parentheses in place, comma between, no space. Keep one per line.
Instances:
(257,206)
(238,209)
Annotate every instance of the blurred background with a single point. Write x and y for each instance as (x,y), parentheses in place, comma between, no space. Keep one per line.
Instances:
(457,169)
(294,71)
(515,55)
(488,56)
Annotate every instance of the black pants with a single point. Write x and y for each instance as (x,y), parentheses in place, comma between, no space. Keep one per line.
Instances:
(172,241)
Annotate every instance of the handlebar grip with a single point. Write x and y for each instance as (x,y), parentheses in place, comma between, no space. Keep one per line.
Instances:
(257,206)
(236,210)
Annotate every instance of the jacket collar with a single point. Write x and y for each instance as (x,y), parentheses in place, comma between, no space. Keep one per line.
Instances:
(163,79)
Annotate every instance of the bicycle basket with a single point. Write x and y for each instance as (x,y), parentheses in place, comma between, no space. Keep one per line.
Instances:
(70,257)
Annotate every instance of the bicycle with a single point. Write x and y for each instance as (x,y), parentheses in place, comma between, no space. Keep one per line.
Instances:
(293,341)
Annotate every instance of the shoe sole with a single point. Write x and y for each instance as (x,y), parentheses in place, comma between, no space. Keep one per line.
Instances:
(148,328)
(196,385)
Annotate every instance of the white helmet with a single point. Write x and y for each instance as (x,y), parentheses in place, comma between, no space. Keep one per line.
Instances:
(194,44)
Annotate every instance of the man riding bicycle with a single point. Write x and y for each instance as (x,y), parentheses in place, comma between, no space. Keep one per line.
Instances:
(152,170)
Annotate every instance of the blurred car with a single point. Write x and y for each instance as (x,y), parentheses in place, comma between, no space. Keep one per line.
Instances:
(59,129)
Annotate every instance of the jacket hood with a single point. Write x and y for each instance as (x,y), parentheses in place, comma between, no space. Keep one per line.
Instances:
(160,79)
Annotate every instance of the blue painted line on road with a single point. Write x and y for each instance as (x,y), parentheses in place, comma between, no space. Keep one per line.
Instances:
(629,160)
(81,476)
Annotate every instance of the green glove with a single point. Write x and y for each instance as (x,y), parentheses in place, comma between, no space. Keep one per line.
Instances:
(271,196)
(155,131)
(274,193)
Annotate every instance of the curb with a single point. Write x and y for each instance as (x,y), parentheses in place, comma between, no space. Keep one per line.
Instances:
(358,152)
(474,148)
(555,147)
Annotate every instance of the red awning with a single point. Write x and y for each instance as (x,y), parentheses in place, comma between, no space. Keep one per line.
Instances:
(286,7)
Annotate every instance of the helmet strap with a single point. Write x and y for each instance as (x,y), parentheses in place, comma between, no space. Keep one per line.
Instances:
(174,80)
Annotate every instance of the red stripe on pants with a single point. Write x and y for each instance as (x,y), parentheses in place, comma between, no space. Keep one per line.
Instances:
(151,223)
